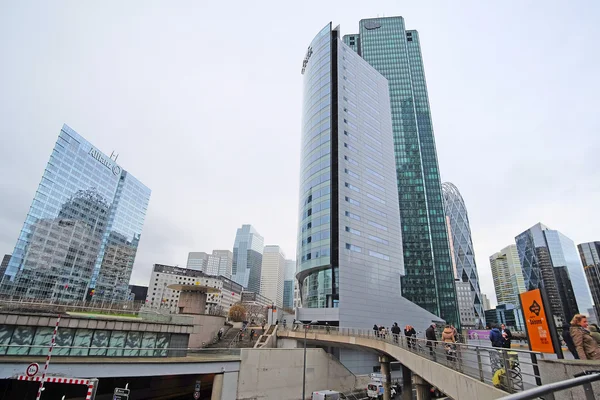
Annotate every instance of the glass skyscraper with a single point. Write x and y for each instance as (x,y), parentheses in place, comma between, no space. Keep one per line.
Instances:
(590,257)
(83,228)
(247,258)
(463,255)
(288,284)
(508,275)
(396,53)
(550,260)
(349,247)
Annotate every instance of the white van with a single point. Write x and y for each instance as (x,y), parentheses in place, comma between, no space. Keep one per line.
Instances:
(326,395)
(375,390)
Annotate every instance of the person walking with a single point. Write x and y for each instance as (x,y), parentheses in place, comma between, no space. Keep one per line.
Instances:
(587,348)
(220,333)
(375,330)
(496,337)
(410,334)
(595,332)
(449,338)
(252,332)
(431,339)
(395,332)
(566,335)
(506,335)
(327,328)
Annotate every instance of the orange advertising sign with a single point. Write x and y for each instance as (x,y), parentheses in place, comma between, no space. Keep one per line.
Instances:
(536,322)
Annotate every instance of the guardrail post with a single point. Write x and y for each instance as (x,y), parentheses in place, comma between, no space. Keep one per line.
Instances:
(479,364)
(507,373)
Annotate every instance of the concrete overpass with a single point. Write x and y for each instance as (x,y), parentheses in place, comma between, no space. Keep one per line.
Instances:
(468,376)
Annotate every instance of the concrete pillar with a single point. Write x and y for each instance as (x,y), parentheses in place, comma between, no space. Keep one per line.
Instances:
(230,385)
(423,388)
(217,388)
(406,383)
(386,372)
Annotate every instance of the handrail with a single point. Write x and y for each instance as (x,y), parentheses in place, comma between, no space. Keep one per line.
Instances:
(557,386)
(512,370)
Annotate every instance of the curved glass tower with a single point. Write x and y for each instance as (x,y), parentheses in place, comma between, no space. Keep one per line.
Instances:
(349,247)
(461,248)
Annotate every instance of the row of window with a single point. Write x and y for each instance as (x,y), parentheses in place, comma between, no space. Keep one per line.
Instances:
(372,253)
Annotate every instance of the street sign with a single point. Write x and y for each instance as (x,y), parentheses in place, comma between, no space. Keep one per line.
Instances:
(197,387)
(196,395)
(121,394)
(32,369)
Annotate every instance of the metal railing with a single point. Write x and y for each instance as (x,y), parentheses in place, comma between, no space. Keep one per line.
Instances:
(54,306)
(112,351)
(507,369)
(547,391)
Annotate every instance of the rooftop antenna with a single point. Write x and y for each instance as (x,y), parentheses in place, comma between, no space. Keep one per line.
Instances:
(115,155)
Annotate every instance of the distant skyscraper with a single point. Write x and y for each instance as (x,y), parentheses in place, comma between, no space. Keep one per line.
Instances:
(272,274)
(4,265)
(288,283)
(463,255)
(247,258)
(486,302)
(508,275)
(82,231)
(396,53)
(349,257)
(468,318)
(550,260)
(218,263)
(590,257)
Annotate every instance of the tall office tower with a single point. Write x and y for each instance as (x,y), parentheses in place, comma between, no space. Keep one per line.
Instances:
(461,249)
(486,302)
(224,265)
(550,260)
(288,284)
(272,274)
(468,317)
(197,260)
(82,231)
(4,265)
(215,264)
(247,258)
(508,275)
(396,53)
(349,240)
(590,257)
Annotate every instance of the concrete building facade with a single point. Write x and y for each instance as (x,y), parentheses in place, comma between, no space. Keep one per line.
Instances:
(465,296)
(160,297)
(219,263)
(272,274)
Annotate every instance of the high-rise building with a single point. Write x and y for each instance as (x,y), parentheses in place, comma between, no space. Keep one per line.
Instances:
(486,302)
(465,296)
(396,53)
(288,284)
(247,258)
(218,263)
(550,260)
(161,297)
(4,265)
(590,257)
(508,275)
(463,255)
(272,274)
(349,253)
(82,231)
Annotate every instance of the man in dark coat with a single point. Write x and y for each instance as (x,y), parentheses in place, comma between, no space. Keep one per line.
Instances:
(431,339)
(507,335)
(569,340)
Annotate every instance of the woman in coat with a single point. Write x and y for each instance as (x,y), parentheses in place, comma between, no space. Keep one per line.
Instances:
(448,338)
(587,348)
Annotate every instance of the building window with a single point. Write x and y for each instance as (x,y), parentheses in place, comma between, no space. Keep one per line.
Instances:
(353,248)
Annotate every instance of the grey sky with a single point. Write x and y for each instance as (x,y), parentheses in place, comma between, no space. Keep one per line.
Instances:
(203,101)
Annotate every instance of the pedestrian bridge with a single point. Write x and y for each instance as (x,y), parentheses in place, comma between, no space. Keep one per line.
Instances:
(467,375)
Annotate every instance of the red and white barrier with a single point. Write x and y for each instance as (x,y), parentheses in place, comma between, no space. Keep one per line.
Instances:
(68,381)
(39,393)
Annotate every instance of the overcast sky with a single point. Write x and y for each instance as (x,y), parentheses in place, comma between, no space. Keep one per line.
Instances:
(202,100)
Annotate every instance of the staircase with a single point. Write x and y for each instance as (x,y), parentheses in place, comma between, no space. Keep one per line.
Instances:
(233,339)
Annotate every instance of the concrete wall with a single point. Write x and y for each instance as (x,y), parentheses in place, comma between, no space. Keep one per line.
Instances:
(276,374)
(560,370)
(205,327)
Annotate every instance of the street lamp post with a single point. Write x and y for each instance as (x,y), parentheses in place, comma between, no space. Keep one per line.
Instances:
(306,326)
